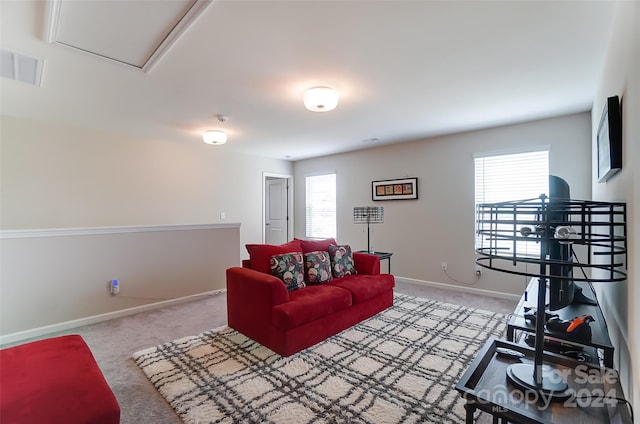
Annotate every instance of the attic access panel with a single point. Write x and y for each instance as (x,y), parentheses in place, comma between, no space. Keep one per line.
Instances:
(133,32)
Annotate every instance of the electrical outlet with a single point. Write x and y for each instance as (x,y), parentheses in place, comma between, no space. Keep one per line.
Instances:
(114,287)
(444,266)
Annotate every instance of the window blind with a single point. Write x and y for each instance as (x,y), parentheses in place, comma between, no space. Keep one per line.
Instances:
(509,177)
(321,206)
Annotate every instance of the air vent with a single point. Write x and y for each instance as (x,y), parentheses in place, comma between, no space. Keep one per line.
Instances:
(20,67)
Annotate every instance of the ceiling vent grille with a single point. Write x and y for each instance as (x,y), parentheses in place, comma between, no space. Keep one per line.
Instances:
(20,67)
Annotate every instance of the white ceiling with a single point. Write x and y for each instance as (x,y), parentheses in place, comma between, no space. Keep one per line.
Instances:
(404,69)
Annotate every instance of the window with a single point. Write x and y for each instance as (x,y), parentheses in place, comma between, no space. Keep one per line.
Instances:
(321,206)
(506,177)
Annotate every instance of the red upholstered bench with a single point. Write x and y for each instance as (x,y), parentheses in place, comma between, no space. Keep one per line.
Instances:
(55,380)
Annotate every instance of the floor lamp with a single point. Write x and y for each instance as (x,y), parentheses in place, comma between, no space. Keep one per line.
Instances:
(368,215)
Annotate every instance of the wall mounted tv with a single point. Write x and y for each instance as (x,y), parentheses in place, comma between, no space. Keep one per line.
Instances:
(610,140)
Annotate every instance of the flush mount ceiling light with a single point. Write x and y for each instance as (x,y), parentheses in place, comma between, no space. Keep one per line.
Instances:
(214,137)
(320,99)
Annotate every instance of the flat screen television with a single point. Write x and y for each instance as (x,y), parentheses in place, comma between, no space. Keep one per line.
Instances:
(610,140)
(562,289)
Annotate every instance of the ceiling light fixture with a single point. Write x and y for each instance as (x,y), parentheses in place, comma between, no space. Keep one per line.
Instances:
(214,137)
(320,99)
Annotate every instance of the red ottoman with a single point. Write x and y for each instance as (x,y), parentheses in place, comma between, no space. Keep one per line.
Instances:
(55,380)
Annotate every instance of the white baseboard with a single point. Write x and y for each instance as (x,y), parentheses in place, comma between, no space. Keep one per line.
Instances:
(63,326)
(471,290)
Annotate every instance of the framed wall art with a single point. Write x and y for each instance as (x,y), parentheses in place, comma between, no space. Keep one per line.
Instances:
(401,189)
(610,140)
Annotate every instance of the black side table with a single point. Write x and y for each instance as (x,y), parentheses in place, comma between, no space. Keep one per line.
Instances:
(597,396)
(382,256)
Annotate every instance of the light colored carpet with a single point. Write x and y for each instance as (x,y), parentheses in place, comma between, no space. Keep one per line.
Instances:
(112,343)
(400,366)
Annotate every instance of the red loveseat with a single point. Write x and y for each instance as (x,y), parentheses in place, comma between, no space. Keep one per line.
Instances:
(260,307)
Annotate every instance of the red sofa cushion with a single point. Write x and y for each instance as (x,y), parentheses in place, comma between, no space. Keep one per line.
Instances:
(54,380)
(260,254)
(366,263)
(364,287)
(313,245)
(309,304)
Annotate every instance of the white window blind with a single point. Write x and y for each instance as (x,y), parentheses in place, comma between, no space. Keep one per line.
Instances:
(509,177)
(321,206)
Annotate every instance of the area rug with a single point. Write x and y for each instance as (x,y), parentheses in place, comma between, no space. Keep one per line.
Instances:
(400,366)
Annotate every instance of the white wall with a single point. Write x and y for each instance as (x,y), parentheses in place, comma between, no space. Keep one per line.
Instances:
(621,76)
(57,176)
(439,226)
(53,277)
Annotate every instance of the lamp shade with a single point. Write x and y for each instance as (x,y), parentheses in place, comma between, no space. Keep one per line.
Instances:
(368,214)
(214,137)
(320,99)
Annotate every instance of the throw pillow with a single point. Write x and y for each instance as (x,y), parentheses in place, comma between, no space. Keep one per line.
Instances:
(317,267)
(315,245)
(342,261)
(290,269)
(260,254)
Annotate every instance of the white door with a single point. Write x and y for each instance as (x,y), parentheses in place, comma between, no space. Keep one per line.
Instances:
(276,211)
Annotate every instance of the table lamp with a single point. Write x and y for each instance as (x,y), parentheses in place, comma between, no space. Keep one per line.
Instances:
(368,215)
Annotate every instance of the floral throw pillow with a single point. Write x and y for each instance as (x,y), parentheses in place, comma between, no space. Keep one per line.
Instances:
(317,267)
(342,261)
(289,268)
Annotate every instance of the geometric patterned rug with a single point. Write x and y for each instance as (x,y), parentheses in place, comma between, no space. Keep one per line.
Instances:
(400,366)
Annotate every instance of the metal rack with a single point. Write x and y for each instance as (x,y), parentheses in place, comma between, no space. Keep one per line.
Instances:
(521,232)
